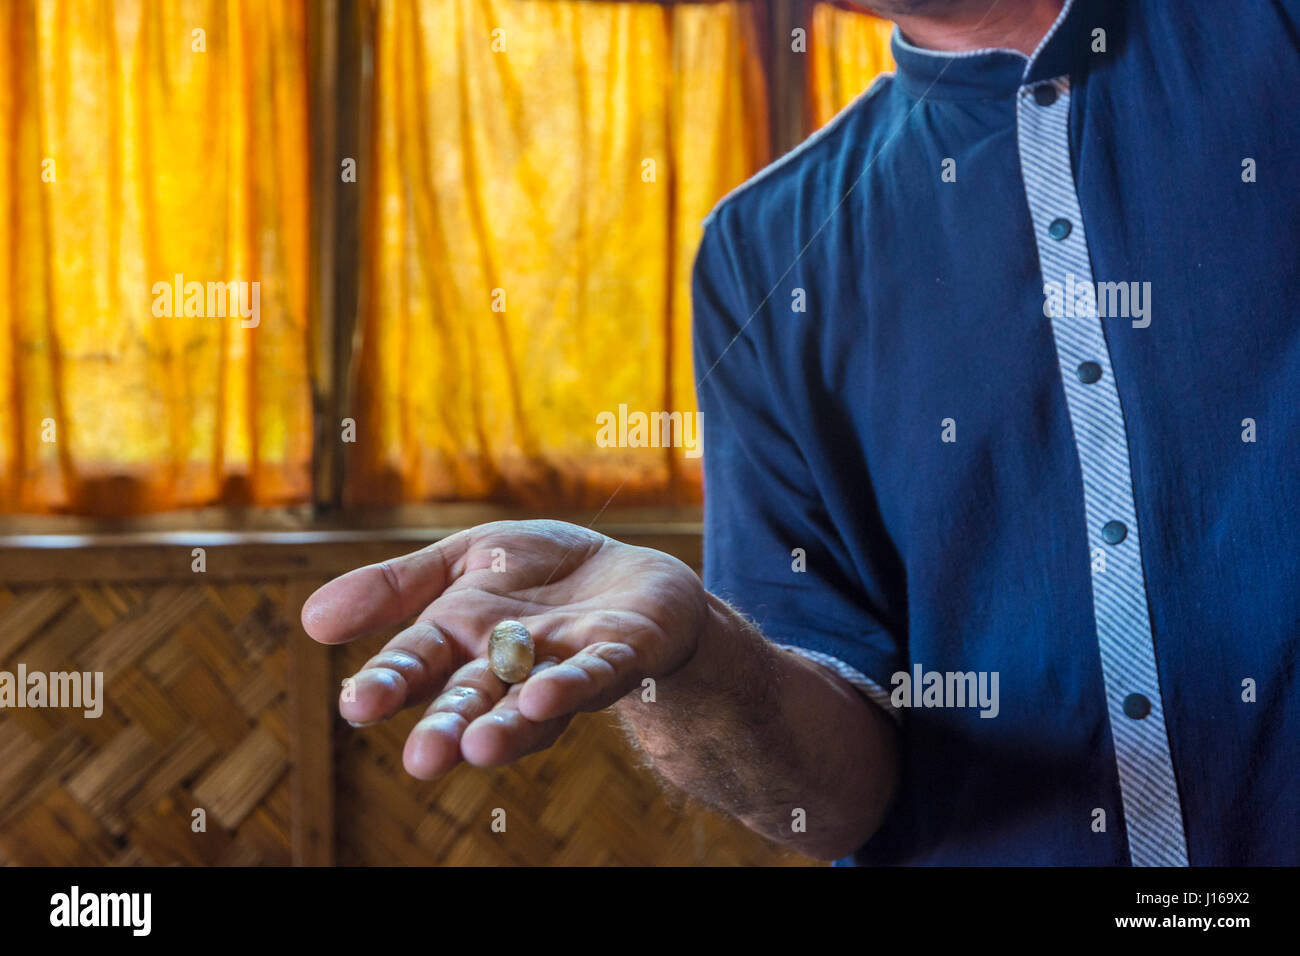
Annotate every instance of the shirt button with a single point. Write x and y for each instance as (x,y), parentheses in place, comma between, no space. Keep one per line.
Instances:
(1059,229)
(1045,94)
(1136,706)
(1088,372)
(1113,532)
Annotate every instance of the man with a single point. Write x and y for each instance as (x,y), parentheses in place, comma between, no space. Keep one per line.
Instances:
(999,377)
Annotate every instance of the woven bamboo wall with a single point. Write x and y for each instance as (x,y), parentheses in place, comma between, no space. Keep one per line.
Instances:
(195,717)
(216,700)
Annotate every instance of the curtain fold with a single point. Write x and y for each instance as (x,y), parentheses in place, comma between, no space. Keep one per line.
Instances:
(150,151)
(539,173)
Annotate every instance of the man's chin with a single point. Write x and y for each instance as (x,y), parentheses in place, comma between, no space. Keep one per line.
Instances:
(892,8)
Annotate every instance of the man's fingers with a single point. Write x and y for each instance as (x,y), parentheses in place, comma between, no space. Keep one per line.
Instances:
(504,734)
(382,595)
(477,720)
(414,665)
(408,671)
(433,746)
(594,678)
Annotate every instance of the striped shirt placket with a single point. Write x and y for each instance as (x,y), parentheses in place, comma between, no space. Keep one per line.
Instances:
(1152,812)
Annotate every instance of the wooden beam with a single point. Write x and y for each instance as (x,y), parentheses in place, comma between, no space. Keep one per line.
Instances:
(236,521)
(318,555)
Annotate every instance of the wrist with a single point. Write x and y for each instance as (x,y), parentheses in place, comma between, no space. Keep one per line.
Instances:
(728,652)
(715,647)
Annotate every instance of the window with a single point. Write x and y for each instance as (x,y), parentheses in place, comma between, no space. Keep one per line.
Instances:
(251,257)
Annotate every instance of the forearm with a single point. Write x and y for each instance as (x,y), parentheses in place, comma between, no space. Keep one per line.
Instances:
(761,733)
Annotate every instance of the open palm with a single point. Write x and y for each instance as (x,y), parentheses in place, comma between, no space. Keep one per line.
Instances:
(603,615)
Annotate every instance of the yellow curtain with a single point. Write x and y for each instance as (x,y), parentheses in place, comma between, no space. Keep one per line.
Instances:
(141,141)
(848,50)
(540,172)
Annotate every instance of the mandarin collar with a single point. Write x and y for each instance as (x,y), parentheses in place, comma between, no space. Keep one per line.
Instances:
(996,73)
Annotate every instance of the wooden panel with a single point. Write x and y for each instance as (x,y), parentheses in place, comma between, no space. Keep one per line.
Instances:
(216,700)
(189,722)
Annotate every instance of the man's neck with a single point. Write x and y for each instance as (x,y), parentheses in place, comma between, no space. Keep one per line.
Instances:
(951,26)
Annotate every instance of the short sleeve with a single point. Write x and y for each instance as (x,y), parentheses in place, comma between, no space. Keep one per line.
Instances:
(770,549)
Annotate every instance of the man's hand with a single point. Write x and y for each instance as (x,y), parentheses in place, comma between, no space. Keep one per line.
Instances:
(603,616)
(754,730)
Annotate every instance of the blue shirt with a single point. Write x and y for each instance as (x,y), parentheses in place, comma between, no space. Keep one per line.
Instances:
(999,377)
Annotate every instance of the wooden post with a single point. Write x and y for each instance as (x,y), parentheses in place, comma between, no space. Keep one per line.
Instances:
(339,39)
(323,58)
(787,74)
(311,706)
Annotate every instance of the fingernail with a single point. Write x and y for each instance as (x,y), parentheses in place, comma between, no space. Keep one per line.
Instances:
(444,722)
(370,723)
